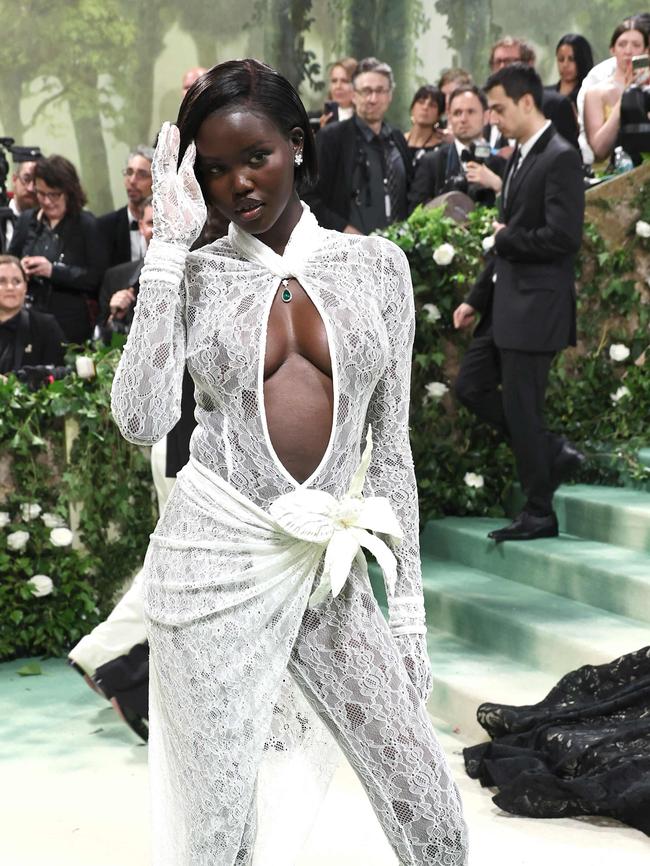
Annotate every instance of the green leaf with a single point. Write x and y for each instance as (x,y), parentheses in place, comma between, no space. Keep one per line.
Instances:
(31,669)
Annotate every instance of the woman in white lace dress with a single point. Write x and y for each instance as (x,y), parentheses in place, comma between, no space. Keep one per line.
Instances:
(256,591)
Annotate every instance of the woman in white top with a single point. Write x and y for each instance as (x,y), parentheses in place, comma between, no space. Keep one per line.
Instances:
(256,594)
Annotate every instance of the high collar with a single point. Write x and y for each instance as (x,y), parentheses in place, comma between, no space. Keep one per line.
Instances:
(305,239)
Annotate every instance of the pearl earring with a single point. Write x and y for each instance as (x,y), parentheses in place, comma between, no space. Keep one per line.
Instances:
(298,158)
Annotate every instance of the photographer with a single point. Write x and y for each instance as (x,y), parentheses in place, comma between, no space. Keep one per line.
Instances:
(466,165)
(23,192)
(27,338)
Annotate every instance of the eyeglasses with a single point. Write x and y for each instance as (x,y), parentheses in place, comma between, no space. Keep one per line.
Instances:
(367,92)
(26,179)
(139,173)
(49,196)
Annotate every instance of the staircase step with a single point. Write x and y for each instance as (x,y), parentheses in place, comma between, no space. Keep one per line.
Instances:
(615,579)
(614,515)
(465,676)
(537,628)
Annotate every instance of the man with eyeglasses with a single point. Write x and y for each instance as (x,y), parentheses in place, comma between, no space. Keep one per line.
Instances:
(364,164)
(120,227)
(23,196)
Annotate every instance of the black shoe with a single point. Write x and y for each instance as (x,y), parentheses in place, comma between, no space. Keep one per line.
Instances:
(527,526)
(566,463)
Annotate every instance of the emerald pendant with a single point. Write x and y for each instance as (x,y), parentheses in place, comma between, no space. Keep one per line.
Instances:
(286,296)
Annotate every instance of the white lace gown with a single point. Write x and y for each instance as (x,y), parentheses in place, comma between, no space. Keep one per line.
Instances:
(241,667)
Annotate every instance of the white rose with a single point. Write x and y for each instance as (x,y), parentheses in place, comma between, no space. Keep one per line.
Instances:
(61,536)
(643,229)
(42,585)
(84,366)
(436,390)
(30,510)
(52,520)
(5,518)
(488,243)
(431,312)
(619,352)
(473,480)
(17,540)
(444,254)
(621,392)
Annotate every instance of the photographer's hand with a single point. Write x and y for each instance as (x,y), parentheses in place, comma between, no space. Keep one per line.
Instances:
(479,173)
(37,266)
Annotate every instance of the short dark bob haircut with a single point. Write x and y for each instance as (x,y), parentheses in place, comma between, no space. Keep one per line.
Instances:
(261,90)
(582,54)
(468,88)
(636,22)
(59,173)
(517,80)
(429,91)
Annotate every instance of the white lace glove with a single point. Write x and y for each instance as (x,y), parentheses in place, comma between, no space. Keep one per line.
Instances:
(179,211)
(413,650)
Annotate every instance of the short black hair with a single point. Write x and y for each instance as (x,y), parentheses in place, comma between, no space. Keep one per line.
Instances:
(429,91)
(582,54)
(517,80)
(59,173)
(468,88)
(261,90)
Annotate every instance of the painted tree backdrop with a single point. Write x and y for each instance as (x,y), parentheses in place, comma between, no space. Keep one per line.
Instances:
(91,78)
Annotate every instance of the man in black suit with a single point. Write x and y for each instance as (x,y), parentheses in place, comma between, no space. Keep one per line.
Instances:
(526,297)
(364,166)
(454,166)
(556,107)
(120,227)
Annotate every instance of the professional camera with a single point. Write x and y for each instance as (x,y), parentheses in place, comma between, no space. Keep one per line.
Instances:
(38,375)
(635,121)
(476,152)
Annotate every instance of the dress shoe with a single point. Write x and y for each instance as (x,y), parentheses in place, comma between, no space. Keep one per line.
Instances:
(527,526)
(566,463)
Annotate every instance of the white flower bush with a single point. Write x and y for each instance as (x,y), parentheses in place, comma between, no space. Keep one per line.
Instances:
(52,520)
(84,366)
(42,585)
(17,541)
(431,312)
(5,518)
(472,479)
(435,390)
(444,254)
(619,352)
(642,228)
(619,394)
(487,243)
(30,510)
(61,536)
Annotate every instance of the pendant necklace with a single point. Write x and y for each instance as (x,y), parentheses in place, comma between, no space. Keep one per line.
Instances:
(286,292)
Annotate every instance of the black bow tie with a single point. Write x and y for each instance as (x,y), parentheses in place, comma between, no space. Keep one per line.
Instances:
(466,155)
(133,226)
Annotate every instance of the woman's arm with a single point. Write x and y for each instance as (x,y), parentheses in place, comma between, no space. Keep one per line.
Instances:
(601,133)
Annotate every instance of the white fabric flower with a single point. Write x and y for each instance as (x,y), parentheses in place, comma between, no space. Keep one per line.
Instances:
(473,480)
(487,243)
(621,392)
(444,254)
(643,229)
(61,536)
(436,390)
(17,540)
(30,510)
(431,312)
(5,518)
(619,352)
(42,585)
(52,520)
(84,366)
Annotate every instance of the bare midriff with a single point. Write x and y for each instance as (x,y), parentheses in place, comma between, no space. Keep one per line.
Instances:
(298,388)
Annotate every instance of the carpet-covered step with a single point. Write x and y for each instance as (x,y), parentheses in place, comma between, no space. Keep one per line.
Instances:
(616,579)
(538,629)
(465,676)
(614,515)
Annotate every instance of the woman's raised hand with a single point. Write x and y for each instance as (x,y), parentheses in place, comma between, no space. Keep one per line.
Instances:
(179,211)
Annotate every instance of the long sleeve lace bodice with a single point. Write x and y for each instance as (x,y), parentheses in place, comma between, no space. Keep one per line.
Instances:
(212,314)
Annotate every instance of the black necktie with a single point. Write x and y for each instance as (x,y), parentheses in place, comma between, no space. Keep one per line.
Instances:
(133,226)
(516,160)
(465,155)
(391,179)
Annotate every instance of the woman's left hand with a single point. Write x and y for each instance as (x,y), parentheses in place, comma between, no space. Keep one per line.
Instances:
(413,650)
(37,266)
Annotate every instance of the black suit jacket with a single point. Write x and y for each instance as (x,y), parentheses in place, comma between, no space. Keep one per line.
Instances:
(531,305)
(114,227)
(336,147)
(436,168)
(38,340)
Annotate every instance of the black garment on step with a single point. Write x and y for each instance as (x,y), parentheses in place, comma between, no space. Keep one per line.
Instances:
(583,750)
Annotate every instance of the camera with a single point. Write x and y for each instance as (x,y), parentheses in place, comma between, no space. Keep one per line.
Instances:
(635,121)
(37,375)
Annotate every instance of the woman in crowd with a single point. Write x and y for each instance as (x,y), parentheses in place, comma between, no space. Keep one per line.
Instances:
(256,592)
(574,59)
(61,249)
(341,90)
(425,134)
(602,112)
